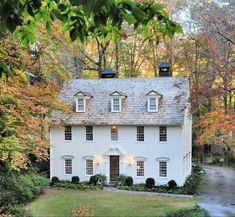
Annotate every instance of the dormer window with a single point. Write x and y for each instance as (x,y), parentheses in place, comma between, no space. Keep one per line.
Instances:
(116,101)
(81,100)
(81,105)
(153,99)
(152,104)
(116,104)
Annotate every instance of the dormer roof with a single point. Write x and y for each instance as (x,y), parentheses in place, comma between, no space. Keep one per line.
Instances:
(154,93)
(118,93)
(83,94)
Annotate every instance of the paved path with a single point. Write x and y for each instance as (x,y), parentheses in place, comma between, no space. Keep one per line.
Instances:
(147,193)
(218,191)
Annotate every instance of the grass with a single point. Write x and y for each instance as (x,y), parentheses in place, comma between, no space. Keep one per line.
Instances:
(61,202)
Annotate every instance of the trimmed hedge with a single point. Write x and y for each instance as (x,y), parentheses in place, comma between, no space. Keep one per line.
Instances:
(150,183)
(80,186)
(75,180)
(97,179)
(172,184)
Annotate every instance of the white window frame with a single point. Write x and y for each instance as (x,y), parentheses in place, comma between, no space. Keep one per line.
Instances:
(92,168)
(89,133)
(84,104)
(166,169)
(165,141)
(65,166)
(156,106)
(138,134)
(66,133)
(114,136)
(139,169)
(112,104)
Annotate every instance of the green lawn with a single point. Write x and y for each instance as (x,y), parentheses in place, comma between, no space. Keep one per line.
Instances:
(61,203)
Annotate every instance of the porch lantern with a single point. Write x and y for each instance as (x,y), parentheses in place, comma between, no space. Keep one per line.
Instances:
(98,161)
(129,161)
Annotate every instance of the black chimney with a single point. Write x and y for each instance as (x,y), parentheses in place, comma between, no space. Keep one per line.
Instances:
(165,70)
(108,73)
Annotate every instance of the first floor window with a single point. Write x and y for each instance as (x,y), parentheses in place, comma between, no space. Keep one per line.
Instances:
(68,166)
(162,134)
(89,133)
(89,167)
(140,133)
(162,168)
(140,168)
(114,133)
(68,133)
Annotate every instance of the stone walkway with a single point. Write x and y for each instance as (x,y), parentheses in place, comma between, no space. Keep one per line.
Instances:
(147,193)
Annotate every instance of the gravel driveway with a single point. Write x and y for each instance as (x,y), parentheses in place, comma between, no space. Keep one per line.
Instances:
(218,191)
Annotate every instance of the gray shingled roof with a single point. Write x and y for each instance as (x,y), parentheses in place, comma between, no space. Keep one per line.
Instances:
(172,104)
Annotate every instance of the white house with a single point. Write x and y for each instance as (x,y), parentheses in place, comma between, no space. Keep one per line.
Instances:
(140,127)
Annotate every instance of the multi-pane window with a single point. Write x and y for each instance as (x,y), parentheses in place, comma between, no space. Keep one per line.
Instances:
(68,133)
(162,134)
(140,133)
(89,167)
(89,133)
(152,104)
(68,166)
(140,168)
(80,105)
(114,133)
(116,105)
(163,168)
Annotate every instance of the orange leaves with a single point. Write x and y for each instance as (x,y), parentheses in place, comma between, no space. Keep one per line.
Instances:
(24,122)
(214,125)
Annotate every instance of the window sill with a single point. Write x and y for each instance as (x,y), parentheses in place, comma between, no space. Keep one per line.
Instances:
(69,141)
(162,142)
(68,174)
(140,177)
(88,175)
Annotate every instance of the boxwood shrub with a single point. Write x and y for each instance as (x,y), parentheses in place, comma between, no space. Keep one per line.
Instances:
(150,183)
(75,180)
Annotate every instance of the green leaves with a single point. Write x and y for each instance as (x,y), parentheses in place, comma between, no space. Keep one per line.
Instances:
(5,69)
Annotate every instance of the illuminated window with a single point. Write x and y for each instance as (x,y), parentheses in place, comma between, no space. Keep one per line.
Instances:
(114,133)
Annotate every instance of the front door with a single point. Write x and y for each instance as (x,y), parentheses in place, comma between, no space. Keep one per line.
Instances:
(114,168)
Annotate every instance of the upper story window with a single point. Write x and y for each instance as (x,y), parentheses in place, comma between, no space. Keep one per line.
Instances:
(162,168)
(116,101)
(140,168)
(140,133)
(162,133)
(81,105)
(114,133)
(89,133)
(81,100)
(152,104)
(116,104)
(153,99)
(68,133)
(68,166)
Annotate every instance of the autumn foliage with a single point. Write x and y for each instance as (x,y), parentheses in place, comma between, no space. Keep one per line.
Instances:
(24,113)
